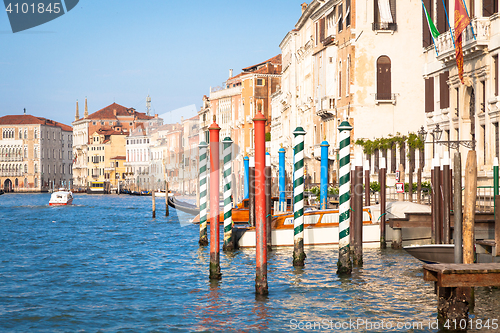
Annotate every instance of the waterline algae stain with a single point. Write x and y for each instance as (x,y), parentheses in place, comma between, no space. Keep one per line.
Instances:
(106,265)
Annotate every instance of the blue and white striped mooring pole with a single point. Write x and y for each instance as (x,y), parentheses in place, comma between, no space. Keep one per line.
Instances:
(323,194)
(228,244)
(299,255)
(246,163)
(344,264)
(282,199)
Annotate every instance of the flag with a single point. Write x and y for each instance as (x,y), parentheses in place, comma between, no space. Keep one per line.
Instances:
(432,28)
(462,20)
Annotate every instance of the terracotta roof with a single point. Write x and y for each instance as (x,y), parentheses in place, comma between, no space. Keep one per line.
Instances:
(109,113)
(274,60)
(119,158)
(26,119)
(109,131)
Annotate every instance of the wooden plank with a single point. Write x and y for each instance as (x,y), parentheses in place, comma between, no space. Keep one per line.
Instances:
(464,268)
(430,275)
(463,275)
(469,280)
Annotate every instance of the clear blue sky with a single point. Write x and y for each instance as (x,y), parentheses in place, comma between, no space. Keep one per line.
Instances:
(121,50)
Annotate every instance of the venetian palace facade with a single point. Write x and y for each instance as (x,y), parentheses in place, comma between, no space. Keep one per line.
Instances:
(36,154)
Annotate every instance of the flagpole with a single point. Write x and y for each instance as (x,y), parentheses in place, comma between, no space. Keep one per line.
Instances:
(448,20)
(470,21)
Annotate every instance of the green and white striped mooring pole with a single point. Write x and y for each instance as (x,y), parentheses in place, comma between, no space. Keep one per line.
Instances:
(203,193)
(344,265)
(228,204)
(298,198)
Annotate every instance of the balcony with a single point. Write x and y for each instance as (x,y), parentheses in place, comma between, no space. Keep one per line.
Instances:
(325,108)
(446,48)
(385,98)
(382,27)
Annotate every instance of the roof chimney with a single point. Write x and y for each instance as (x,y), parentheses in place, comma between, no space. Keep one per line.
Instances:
(86,112)
(304,7)
(114,112)
(24,111)
(77,114)
(230,73)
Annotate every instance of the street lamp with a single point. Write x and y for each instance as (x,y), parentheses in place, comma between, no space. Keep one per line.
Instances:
(436,135)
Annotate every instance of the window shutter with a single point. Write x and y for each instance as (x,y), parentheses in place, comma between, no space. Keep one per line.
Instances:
(490,7)
(383,78)
(444,91)
(429,94)
(441,17)
(321,29)
(393,10)
(426,34)
(376,16)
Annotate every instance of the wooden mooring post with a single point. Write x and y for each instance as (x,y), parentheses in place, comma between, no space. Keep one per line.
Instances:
(153,198)
(382,180)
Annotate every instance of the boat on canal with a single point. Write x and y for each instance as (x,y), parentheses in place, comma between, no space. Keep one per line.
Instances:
(62,197)
(321,227)
(433,253)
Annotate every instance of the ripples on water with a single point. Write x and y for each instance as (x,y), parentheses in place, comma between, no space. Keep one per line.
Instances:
(105,265)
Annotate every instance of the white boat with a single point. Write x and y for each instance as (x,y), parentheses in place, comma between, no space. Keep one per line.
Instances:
(62,197)
(321,227)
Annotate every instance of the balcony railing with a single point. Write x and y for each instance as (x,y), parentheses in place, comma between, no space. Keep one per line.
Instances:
(446,49)
(385,98)
(11,158)
(11,174)
(384,26)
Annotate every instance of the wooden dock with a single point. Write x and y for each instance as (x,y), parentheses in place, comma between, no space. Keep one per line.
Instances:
(454,283)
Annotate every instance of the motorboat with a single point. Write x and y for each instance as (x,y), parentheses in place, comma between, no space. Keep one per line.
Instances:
(433,253)
(62,197)
(321,227)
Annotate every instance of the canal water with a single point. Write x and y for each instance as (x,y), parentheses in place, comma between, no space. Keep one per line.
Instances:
(104,265)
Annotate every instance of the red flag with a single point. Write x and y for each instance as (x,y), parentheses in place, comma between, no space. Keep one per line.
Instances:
(462,20)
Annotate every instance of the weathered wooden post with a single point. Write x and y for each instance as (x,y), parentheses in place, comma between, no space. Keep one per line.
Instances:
(469,206)
(228,244)
(419,184)
(457,207)
(446,198)
(344,264)
(269,216)
(299,255)
(410,175)
(203,193)
(261,286)
(435,201)
(167,212)
(215,273)
(366,168)
(382,176)
(357,256)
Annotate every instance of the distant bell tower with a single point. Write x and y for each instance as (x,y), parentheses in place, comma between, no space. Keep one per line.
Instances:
(86,112)
(77,114)
(148,105)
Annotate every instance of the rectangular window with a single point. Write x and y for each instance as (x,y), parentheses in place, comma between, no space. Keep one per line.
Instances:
(341,23)
(458,103)
(426,34)
(483,136)
(442,24)
(322,29)
(347,13)
(444,91)
(483,97)
(384,15)
(429,94)
(261,82)
(490,7)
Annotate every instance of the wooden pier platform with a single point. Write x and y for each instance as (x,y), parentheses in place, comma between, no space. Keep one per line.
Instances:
(454,283)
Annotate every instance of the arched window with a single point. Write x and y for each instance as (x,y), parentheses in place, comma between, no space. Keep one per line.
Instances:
(25,182)
(384,78)
(25,168)
(36,182)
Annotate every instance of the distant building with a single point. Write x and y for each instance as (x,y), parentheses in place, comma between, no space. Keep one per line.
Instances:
(35,154)
(113,117)
(106,157)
